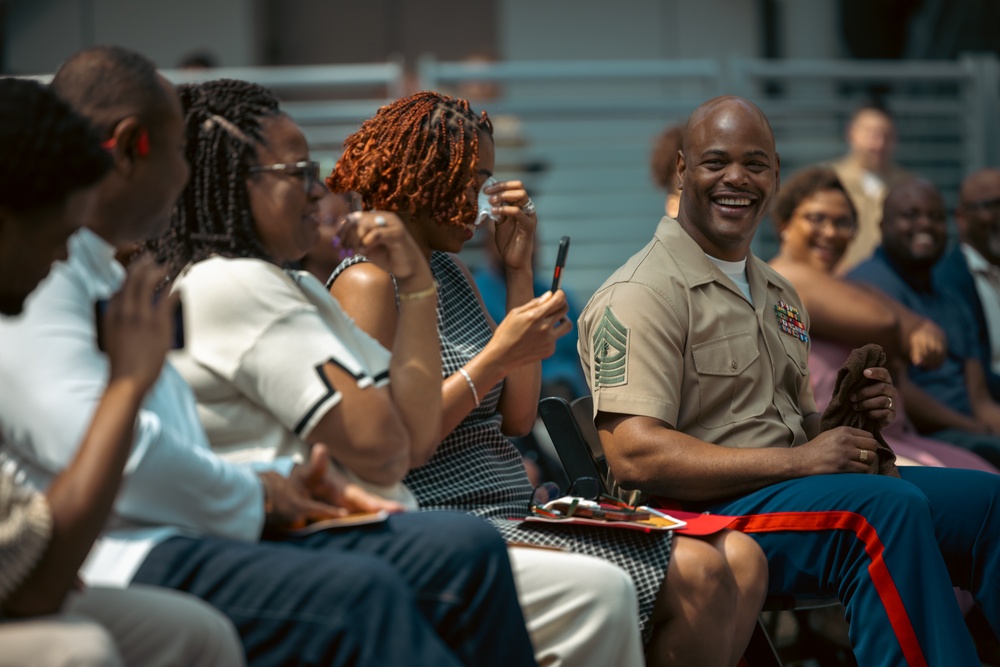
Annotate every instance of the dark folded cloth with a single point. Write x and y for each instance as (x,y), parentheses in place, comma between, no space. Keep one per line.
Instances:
(841,412)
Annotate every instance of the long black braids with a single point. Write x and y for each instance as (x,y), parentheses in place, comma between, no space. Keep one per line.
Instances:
(222,120)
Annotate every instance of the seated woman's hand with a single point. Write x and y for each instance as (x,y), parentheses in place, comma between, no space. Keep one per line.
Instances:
(515,229)
(326,483)
(529,332)
(383,239)
(928,345)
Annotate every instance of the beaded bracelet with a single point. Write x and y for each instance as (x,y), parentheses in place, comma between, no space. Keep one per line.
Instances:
(472,386)
(419,294)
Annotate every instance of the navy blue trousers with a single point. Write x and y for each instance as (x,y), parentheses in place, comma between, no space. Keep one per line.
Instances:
(428,588)
(890,550)
(985,445)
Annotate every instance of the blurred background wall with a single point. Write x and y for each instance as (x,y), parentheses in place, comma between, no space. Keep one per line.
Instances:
(586,84)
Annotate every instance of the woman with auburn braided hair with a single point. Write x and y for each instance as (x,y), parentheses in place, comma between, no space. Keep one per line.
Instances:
(427,158)
(280,372)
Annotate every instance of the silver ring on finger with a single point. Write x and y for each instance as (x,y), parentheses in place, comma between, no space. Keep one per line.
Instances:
(529,207)
(380,221)
(889,407)
(863,456)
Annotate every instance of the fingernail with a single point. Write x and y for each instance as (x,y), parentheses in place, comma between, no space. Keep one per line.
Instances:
(494,199)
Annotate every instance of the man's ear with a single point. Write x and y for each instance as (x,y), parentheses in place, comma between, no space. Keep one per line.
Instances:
(777,172)
(129,141)
(681,168)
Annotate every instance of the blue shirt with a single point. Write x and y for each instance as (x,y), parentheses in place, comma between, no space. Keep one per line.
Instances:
(946,383)
(564,365)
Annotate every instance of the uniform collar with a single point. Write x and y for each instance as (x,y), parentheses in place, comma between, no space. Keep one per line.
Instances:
(698,269)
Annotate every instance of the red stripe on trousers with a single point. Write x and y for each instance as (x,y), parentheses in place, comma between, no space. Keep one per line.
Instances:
(878,570)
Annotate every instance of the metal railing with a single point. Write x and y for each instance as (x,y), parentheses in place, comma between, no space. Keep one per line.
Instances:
(583,129)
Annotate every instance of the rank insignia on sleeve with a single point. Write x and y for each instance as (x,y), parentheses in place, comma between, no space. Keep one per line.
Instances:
(610,351)
(789,322)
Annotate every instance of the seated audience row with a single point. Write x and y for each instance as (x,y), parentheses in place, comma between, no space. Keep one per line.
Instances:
(189,520)
(392,389)
(816,221)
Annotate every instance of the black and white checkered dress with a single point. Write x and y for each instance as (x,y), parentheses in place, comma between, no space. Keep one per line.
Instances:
(478,470)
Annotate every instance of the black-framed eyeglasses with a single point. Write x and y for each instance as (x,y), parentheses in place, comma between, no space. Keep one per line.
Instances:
(842,225)
(307,170)
(990,206)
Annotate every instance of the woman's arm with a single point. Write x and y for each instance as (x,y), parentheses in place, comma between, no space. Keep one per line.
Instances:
(411,403)
(394,428)
(138,334)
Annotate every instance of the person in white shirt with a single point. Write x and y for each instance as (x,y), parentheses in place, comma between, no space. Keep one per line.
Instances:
(413,589)
(51,157)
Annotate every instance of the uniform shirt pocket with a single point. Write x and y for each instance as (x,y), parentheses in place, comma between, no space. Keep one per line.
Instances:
(729,387)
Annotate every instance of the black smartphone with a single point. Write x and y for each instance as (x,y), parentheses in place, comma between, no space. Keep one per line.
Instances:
(178,340)
(560,263)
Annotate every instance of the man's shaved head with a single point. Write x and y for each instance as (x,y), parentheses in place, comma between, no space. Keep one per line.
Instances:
(729,171)
(724,103)
(108,83)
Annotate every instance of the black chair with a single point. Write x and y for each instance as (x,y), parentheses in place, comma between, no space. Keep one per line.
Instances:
(572,430)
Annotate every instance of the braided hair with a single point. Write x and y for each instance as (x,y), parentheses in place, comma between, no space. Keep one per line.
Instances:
(49,150)
(222,121)
(416,156)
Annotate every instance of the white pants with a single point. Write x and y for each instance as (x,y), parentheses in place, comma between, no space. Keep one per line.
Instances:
(581,611)
(141,626)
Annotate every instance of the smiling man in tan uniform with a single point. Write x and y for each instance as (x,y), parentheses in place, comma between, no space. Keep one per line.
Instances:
(696,353)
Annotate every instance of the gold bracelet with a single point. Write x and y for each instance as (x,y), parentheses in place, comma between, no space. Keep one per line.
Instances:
(420,294)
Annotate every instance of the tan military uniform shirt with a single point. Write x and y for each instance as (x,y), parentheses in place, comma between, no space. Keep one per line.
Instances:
(669,336)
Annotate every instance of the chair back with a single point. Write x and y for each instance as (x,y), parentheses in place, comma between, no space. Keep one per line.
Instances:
(570,440)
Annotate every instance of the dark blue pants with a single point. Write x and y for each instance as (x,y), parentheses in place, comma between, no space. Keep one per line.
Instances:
(429,588)
(985,445)
(890,550)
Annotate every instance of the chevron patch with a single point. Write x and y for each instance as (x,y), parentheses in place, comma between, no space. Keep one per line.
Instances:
(610,345)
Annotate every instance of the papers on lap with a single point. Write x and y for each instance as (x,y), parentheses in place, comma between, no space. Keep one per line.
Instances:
(580,511)
(343,522)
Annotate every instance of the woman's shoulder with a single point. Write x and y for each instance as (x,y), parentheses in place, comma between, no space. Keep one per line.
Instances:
(238,286)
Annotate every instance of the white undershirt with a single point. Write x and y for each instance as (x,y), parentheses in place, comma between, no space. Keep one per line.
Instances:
(737,272)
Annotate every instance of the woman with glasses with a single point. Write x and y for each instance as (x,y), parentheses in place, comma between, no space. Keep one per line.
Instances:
(276,367)
(430,159)
(816,222)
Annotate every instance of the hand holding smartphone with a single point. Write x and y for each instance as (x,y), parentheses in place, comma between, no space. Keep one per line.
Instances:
(560,263)
(177,342)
